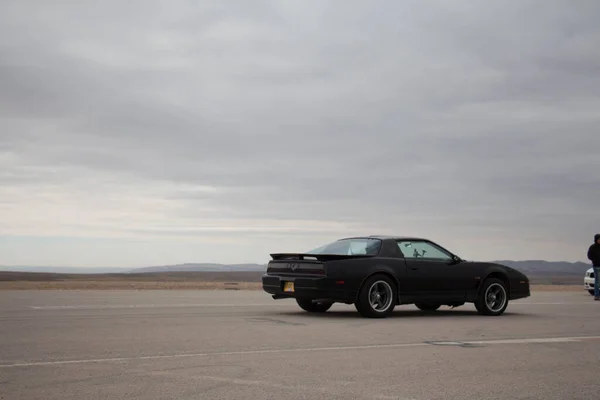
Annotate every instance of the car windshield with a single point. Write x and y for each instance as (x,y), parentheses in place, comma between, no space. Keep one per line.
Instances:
(356,246)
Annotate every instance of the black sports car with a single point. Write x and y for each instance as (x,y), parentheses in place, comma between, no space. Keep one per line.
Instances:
(377,273)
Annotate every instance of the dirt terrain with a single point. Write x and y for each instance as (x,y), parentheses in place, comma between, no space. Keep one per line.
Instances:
(245,280)
(140,281)
(126,285)
(178,276)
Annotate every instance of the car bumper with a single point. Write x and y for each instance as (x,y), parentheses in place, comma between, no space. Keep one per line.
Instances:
(588,283)
(520,294)
(519,290)
(307,287)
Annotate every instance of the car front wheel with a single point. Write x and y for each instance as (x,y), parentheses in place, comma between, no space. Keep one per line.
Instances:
(493,297)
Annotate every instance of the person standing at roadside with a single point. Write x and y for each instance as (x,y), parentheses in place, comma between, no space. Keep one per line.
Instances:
(593,255)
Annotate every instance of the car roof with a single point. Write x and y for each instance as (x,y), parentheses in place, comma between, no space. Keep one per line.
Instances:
(388,237)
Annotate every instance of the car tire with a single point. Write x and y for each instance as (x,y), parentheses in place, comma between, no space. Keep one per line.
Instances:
(313,306)
(591,291)
(492,299)
(427,306)
(382,305)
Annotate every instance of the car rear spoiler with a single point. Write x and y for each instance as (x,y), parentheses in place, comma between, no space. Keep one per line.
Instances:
(317,257)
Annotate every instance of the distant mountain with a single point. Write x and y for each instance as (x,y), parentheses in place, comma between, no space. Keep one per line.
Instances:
(547,268)
(205,267)
(64,270)
(529,267)
(202,267)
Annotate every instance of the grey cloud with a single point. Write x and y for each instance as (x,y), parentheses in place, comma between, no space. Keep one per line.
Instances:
(467,114)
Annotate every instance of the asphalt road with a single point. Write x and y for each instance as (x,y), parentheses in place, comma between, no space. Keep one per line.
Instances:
(244,345)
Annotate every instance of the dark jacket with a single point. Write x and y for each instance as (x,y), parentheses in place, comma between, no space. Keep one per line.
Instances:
(593,253)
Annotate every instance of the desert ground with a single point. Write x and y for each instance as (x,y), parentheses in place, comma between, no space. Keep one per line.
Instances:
(143,281)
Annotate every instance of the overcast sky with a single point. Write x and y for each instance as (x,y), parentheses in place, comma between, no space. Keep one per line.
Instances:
(151,132)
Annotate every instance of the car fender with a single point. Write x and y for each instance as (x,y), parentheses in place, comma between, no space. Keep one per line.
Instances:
(495,270)
(381,269)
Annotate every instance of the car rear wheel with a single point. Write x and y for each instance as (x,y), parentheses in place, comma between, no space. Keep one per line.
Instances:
(493,297)
(377,297)
(427,306)
(314,306)
(591,291)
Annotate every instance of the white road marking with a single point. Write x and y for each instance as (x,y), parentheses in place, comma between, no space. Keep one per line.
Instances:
(305,349)
(535,340)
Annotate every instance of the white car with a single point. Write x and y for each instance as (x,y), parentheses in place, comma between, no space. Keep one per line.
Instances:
(588,281)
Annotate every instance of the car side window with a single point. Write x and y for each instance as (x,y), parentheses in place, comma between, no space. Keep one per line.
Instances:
(419,249)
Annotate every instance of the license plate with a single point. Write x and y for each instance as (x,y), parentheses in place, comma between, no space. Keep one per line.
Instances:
(288,287)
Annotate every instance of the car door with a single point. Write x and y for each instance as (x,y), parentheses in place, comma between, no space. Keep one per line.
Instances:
(431,271)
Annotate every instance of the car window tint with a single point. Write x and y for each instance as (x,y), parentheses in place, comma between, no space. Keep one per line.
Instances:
(418,249)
